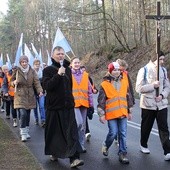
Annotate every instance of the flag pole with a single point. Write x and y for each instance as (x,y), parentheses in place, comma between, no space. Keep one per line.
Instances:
(73,53)
(15,89)
(68,56)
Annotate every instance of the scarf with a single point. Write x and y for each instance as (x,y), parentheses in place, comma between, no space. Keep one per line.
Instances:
(24,70)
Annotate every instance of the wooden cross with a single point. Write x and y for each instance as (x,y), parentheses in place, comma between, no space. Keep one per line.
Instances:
(158,19)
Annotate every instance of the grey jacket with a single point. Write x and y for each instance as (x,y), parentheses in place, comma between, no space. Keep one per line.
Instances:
(145,87)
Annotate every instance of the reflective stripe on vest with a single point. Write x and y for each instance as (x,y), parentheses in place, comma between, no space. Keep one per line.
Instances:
(116,102)
(80,91)
(11,89)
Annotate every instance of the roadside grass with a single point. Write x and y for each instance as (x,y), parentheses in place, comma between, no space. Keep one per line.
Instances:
(14,155)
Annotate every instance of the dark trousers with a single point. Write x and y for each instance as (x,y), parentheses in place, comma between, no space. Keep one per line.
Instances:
(148,118)
(10,107)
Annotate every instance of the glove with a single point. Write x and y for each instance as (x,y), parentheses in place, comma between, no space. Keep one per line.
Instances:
(90,112)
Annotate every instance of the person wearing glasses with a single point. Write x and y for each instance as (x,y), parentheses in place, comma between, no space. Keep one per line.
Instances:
(154,106)
(114,107)
(61,133)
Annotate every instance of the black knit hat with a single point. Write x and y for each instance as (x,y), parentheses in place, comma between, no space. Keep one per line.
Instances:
(161,54)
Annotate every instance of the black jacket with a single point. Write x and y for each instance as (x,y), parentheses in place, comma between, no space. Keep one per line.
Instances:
(58,88)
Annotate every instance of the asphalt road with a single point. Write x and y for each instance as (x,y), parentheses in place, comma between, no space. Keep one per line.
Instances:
(94,160)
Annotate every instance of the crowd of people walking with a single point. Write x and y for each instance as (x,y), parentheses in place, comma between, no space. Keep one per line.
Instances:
(62,94)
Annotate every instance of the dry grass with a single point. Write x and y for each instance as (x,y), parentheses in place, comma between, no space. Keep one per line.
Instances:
(14,155)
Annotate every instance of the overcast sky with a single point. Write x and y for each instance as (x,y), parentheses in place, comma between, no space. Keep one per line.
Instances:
(3,6)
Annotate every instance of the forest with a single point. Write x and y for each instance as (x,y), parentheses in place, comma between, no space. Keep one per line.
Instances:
(88,25)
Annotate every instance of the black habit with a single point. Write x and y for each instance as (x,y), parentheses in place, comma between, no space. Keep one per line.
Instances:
(61,134)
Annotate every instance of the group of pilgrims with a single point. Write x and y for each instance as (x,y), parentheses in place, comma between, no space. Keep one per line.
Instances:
(62,98)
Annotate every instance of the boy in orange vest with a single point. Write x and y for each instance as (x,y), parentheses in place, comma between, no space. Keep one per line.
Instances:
(114,106)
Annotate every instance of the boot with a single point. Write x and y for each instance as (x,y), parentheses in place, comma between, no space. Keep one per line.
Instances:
(28,129)
(23,132)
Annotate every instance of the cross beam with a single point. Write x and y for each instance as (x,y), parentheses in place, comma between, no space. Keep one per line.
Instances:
(158,19)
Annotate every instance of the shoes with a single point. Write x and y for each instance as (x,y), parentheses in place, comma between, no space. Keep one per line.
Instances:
(116,142)
(144,150)
(43,124)
(7,117)
(167,157)
(36,122)
(123,158)
(105,149)
(15,123)
(53,158)
(76,163)
(88,136)
(2,110)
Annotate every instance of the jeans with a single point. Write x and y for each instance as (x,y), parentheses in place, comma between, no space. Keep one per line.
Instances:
(24,117)
(80,115)
(117,127)
(40,102)
(148,118)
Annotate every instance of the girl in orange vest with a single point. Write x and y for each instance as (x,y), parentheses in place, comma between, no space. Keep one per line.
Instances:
(83,98)
(114,106)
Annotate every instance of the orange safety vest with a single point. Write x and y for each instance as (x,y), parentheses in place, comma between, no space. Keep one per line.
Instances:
(10,88)
(116,102)
(80,91)
(1,81)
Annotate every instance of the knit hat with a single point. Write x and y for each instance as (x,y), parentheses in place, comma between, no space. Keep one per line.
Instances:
(24,57)
(161,54)
(112,66)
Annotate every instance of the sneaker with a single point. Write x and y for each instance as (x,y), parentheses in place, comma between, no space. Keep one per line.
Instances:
(116,142)
(167,157)
(53,158)
(7,117)
(15,123)
(36,122)
(76,163)
(88,136)
(123,158)
(144,150)
(105,149)
(2,110)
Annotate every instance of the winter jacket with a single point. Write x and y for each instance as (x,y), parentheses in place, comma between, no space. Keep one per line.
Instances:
(116,102)
(145,87)
(102,97)
(58,88)
(24,96)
